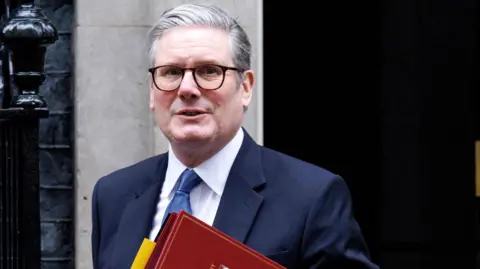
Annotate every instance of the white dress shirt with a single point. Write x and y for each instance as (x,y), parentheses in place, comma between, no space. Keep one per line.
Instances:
(205,197)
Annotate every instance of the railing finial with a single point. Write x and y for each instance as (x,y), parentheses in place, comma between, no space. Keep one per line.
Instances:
(25,34)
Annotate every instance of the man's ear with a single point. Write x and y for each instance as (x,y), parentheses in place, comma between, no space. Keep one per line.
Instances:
(247,87)
(152,104)
(152,97)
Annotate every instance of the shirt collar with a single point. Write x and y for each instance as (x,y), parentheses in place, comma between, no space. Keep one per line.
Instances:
(214,171)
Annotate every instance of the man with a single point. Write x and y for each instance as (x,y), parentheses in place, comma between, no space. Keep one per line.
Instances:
(200,86)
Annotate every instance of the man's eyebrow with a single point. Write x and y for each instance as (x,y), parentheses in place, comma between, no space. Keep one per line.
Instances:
(207,61)
(174,63)
(181,63)
(184,62)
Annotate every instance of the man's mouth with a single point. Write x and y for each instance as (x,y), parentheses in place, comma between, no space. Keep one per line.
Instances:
(191,113)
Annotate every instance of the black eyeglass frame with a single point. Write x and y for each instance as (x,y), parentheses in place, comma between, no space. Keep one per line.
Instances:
(193,69)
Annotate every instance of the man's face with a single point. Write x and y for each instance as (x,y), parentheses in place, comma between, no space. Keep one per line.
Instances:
(212,115)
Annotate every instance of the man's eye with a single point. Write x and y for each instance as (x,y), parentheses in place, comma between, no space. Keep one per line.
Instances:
(172,72)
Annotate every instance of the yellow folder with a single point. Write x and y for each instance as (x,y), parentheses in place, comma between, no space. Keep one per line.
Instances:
(143,254)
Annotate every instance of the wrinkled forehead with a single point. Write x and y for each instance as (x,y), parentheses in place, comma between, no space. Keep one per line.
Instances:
(193,45)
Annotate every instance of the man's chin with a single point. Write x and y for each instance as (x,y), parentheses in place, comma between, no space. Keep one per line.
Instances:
(192,136)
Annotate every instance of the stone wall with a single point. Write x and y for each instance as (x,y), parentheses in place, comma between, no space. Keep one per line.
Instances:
(56,142)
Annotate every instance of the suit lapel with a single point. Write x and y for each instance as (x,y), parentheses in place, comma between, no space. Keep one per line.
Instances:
(235,216)
(136,220)
(240,200)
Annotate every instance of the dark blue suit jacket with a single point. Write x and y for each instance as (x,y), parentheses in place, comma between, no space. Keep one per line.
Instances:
(291,211)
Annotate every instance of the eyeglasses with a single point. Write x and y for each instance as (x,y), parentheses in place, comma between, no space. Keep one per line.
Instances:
(206,76)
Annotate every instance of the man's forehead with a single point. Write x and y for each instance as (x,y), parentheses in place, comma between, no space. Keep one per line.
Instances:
(194,45)
(192,61)
(194,57)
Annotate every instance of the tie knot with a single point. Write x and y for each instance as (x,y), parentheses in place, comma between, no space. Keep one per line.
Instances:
(188,180)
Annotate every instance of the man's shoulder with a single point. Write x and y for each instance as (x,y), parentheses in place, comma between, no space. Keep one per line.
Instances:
(133,175)
(296,173)
(300,186)
(289,162)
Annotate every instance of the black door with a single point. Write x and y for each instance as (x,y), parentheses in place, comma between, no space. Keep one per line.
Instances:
(382,94)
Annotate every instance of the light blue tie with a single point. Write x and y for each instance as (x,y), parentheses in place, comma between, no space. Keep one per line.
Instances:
(181,201)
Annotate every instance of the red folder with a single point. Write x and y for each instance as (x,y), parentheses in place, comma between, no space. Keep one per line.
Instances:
(161,240)
(186,242)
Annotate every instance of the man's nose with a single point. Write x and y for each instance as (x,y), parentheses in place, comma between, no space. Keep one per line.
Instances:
(188,88)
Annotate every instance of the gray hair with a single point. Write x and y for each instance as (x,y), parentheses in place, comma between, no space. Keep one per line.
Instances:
(203,15)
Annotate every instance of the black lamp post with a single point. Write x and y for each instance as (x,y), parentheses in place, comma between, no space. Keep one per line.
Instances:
(25,35)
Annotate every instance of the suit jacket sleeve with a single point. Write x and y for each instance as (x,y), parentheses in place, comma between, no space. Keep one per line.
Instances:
(332,236)
(95,237)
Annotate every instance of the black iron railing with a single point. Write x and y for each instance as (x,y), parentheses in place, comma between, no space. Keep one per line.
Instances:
(25,32)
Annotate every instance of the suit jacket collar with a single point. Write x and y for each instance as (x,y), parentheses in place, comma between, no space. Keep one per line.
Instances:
(236,213)
(240,201)
(136,220)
